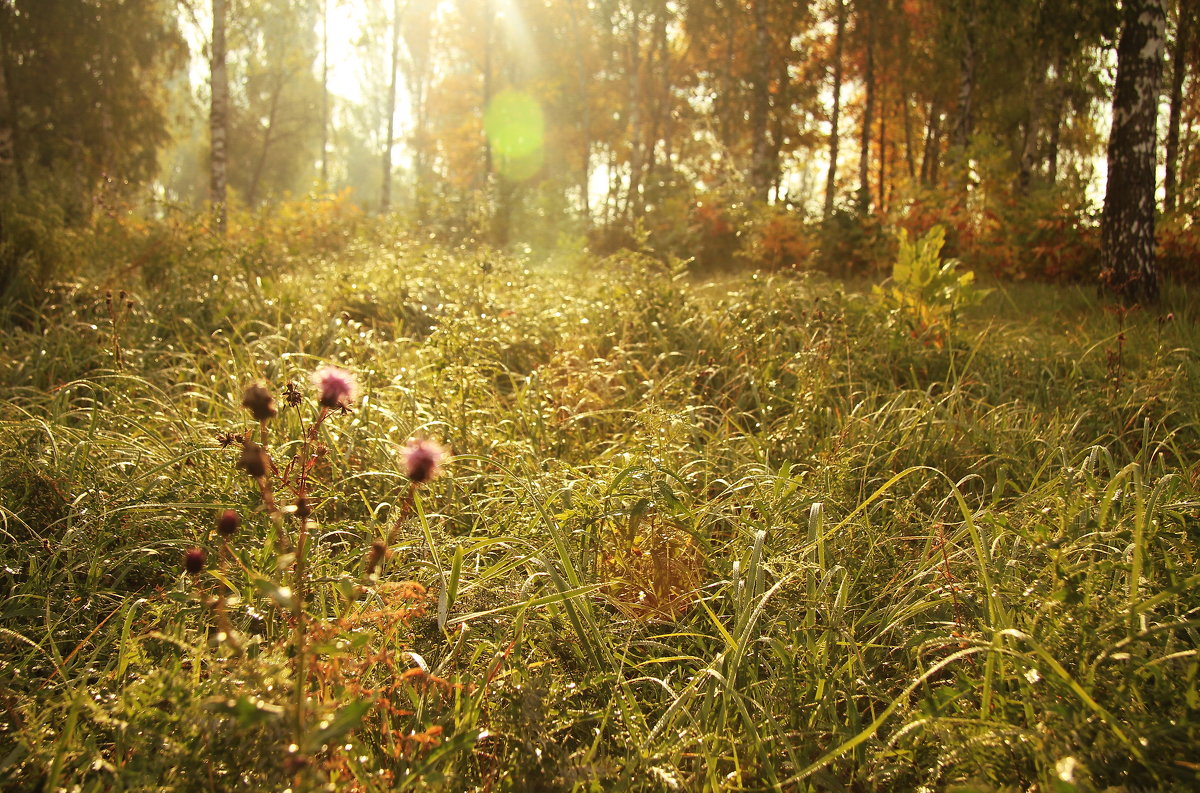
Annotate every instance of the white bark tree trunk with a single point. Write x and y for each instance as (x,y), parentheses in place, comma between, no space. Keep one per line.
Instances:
(1127,227)
(219,117)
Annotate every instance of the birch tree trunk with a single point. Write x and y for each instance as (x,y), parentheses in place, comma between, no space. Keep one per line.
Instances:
(385,191)
(964,124)
(219,118)
(325,95)
(1127,227)
(760,108)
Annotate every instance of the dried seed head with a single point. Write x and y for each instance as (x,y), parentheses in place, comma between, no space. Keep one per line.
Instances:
(303,508)
(193,561)
(254,460)
(335,387)
(230,438)
(258,400)
(376,555)
(292,395)
(228,523)
(423,460)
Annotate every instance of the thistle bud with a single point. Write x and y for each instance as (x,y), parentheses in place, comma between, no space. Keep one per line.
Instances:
(193,561)
(253,460)
(228,523)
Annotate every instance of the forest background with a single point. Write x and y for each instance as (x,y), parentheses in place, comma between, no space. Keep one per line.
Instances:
(768,134)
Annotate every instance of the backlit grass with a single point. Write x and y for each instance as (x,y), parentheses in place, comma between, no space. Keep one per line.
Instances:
(750,534)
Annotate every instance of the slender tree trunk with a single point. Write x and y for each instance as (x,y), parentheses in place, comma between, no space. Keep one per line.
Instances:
(868,120)
(416,35)
(268,139)
(1032,127)
(658,94)
(930,127)
(385,190)
(633,114)
(1127,226)
(905,95)
(491,190)
(325,94)
(935,152)
(838,44)
(614,181)
(882,152)
(1183,42)
(777,131)
(585,124)
(219,117)
(760,108)
(421,159)
(910,159)
(1057,112)
(8,157)
(964,124)
(727,93)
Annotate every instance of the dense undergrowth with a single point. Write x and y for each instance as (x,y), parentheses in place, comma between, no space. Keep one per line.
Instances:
(759,533)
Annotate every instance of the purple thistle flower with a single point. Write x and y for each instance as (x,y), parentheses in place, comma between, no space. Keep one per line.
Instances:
(423,460)
(335,387)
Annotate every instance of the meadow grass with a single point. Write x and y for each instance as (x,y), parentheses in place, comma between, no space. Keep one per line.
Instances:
(752,533)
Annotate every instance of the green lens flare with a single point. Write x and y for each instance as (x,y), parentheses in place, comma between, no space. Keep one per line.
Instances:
(516,130)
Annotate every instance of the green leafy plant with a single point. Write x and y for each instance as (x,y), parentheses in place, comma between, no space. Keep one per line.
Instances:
(926,292)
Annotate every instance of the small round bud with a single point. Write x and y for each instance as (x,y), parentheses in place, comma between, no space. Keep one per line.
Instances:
(228,523)
(258,400)
(253,460)
(193,561)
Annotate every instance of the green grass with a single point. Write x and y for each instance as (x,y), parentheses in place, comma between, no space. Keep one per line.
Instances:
(751,534)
